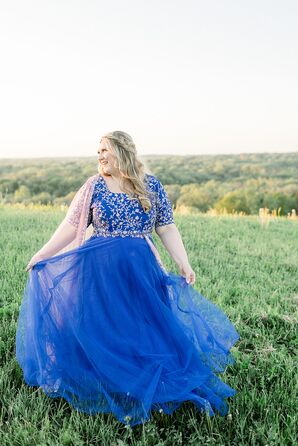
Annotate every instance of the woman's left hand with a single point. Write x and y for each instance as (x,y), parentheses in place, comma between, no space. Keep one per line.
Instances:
(187,272)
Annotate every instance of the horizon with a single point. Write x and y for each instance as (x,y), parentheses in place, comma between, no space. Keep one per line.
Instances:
(153,155)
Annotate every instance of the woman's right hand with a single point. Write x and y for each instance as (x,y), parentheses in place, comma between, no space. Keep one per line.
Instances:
(36,258)
(64,234)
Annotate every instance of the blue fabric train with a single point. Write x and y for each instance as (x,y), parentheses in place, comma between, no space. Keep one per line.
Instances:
(109,330)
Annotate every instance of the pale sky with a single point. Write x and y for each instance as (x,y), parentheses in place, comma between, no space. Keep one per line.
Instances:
(180,76)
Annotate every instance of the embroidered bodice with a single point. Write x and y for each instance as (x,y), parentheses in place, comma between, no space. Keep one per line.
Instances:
(116,213)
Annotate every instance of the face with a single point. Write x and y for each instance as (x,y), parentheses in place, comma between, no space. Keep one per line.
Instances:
(106,158)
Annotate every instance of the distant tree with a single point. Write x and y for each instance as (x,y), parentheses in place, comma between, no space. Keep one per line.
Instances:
(65,200)
(21,194)
(42,198)
(233,201)
(279,200)
(173,191)
(193,196)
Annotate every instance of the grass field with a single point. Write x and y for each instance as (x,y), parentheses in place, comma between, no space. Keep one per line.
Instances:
(249,270)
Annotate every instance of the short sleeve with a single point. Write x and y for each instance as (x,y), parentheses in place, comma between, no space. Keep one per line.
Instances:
(80,204)
(164,211)
(75,208)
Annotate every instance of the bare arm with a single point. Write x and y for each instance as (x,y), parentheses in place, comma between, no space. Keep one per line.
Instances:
(64,234)
(171,238)
(68,229)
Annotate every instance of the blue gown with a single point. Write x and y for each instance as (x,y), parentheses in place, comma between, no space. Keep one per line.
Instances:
(108,329)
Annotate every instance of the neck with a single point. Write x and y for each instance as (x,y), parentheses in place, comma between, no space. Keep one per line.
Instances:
(115,175)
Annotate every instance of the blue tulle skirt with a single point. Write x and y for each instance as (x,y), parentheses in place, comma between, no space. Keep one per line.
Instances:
(107,329)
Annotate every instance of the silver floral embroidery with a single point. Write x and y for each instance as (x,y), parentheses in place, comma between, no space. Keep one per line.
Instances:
(117,214)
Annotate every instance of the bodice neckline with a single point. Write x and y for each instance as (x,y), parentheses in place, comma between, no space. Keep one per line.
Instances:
(107,188)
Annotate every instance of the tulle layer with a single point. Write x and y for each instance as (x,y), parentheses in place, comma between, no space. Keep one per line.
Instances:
(104,327)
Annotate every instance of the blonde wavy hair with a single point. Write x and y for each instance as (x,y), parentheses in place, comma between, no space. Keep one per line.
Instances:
(132,170)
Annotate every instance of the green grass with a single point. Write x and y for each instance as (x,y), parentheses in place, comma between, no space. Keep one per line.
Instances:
(250,271)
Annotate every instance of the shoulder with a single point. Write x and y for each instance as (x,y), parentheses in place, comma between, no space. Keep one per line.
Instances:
(153,182)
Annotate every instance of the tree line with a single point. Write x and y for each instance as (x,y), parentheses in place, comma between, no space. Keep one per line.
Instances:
(241,182)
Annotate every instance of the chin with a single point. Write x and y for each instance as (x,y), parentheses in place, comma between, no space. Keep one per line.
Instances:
(105,170)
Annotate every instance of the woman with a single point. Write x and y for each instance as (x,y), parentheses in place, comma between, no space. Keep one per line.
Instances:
(102,323)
